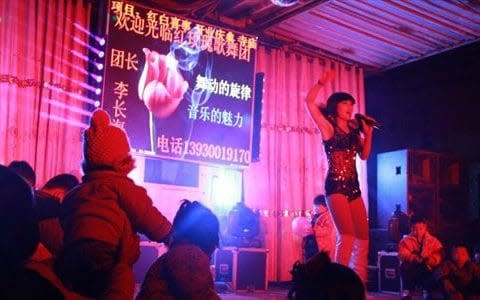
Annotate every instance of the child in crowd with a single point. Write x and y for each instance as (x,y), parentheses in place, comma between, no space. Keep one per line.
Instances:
(419,253)
(102,215)
(459,277)
(184,271)
(323,231)
(47,207)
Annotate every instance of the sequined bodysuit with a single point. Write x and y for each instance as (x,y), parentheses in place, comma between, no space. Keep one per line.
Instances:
(341,152)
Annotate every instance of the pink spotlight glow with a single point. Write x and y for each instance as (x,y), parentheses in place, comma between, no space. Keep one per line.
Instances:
(63,120)
(98,52)
(70,94)
(79,55)
(60,104)
(100,40)
(80,83)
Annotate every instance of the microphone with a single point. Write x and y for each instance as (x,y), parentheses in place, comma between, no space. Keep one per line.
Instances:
(368,121)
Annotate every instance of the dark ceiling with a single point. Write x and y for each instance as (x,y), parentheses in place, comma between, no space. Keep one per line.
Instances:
(374,34)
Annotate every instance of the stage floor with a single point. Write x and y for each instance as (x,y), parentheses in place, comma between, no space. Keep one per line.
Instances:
(277,294)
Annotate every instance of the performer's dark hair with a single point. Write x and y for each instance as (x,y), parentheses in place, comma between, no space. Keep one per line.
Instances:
(333,100)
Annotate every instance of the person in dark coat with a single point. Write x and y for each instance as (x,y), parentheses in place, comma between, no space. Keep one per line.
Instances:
(47,207)
(459,277)
(19,239)
(25,170)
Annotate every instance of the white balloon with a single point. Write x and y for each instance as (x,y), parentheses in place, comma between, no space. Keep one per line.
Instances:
(301,226)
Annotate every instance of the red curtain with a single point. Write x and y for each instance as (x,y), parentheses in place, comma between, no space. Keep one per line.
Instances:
(42,114)
(41,84)
(292,163)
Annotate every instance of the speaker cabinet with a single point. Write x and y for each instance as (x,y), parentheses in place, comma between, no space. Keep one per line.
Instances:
(426,183)
(245,268)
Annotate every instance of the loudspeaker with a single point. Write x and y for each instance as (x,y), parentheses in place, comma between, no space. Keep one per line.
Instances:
(388,272)
(245,268)
(425,183)
(391,184)
(409,178)
(372,280)
(474,191)
(257,116)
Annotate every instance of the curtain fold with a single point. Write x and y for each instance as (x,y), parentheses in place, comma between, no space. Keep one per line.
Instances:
(292,165)
(42,84)
(43,109)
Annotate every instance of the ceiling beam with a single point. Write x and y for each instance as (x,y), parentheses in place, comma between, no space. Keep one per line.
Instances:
(269,20)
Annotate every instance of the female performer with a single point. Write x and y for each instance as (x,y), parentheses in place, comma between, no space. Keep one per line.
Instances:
(343,138)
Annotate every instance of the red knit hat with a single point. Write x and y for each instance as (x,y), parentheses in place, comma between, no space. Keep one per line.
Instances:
(105,145)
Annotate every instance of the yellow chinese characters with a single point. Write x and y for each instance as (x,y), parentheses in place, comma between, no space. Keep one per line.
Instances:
(174,29)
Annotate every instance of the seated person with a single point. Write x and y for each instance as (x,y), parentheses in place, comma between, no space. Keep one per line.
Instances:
(459,277)
(184,271)
(24,170)
(19,232)
(47,206)
(321,279)
(323,234)
(419,253)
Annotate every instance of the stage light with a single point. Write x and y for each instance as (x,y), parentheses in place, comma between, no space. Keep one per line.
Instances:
(242,221)
(226,188)
(99,78)
(98,91)
(284,3)
(98,52)
(100,40)
(99,66)
(97,103)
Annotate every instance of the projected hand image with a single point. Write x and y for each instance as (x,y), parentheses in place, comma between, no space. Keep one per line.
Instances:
(161,85)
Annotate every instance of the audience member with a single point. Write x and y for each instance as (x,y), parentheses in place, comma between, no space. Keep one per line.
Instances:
(47,207)
(323,235)
(184,271)
(101,216)
(19,239)
(419,253)
(459,277)
(23,168)
(320,279)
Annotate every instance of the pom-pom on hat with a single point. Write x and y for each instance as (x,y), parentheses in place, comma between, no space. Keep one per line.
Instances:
(105,146)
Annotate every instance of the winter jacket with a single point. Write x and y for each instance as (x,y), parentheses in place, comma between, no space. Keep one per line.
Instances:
(325,232)
(47,208)
(110,207)
(460,277)
(181,273)
(429,248)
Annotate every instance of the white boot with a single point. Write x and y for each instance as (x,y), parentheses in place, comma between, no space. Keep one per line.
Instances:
(360,259)
(344,249)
